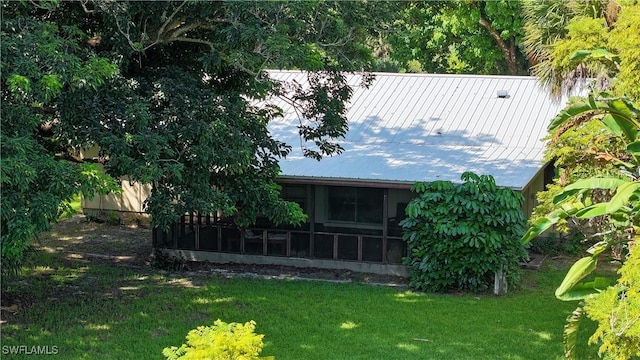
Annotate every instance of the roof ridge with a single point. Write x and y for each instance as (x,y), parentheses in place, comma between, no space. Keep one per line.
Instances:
(377,73)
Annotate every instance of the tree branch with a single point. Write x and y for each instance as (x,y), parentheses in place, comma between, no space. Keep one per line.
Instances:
(183,30)
(84,7)
(338,43)
(165,24)
(509,53)
(78,160)
(197,41)
(37,5)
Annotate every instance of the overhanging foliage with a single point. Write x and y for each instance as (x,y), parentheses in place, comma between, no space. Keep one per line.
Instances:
(167,90)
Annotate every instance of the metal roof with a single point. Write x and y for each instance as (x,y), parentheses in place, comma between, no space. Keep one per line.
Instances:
(425,127)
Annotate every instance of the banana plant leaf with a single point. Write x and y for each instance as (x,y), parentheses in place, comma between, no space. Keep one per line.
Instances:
(582,290)
(620,115)
(592,211)
(598,248)
(609,183)
(624,196)
(570,333)
(543,224)
(619,124)
(572,111)
(579,270)
(595,54)
(634,148)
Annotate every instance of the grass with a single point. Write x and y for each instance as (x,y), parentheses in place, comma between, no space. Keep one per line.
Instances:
(99,310)
(76,207)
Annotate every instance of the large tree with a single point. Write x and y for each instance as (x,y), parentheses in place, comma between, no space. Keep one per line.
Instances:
(168,91)
(467,36)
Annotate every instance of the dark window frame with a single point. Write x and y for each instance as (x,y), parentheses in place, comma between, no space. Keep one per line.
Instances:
(357,198)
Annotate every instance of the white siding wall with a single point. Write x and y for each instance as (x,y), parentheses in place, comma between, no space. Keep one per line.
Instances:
(131,199)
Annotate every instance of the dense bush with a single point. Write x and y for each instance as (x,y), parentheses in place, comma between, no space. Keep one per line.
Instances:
(459,236)
(556,244)
(221,341)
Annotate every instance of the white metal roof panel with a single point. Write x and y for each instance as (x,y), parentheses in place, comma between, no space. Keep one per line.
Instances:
(424,127)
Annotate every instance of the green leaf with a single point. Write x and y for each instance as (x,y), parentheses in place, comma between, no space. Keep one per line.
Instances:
(620,116)
(634,148)
(598,248)
(51,86)
(572,111)
(597,183)
(592,211)
(612,124)
(609,183)
(412,210)
(623,108)
(565,195)
(570,333)
(543,224)
(625,125)
(580,55)
(602,53)
(19,83)
(582,290)
(578,271)
(623,196)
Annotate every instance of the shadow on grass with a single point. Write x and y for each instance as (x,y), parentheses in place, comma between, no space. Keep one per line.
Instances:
(90,308)
(77,237)
(96,310)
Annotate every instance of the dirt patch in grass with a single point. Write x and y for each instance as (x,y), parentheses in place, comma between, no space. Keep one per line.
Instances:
(80,239)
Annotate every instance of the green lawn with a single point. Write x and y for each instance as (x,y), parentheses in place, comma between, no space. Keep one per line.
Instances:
(76,207)
(92,310)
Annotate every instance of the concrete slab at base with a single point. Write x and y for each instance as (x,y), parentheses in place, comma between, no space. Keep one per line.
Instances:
(534,262)
(216,257)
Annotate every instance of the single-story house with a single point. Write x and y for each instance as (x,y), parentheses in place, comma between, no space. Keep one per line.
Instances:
(404,128)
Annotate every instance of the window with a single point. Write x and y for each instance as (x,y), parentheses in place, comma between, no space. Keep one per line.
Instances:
(359,205)
(295,193)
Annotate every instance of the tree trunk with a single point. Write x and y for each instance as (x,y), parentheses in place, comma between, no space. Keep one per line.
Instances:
(508,50)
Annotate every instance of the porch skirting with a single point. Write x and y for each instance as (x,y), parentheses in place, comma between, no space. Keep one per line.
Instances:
(221,257)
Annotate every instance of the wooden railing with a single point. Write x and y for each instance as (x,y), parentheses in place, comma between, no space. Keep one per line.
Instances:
(221,237)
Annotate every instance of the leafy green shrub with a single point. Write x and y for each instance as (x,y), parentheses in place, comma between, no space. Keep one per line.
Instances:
(557,244)
(460,235)
(617,312)
(221,341)
(414,66)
